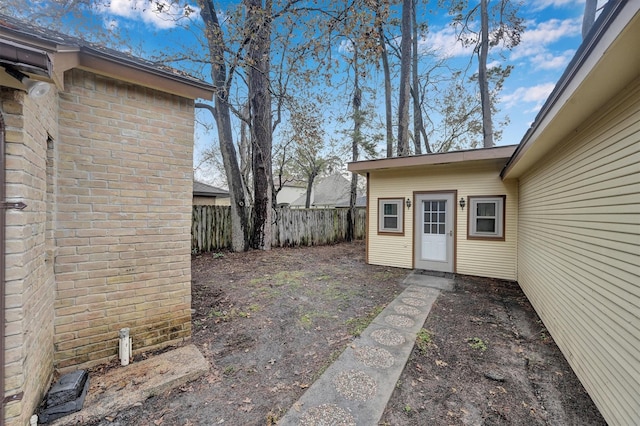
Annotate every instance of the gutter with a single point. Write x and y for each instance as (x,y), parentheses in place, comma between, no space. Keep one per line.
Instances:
(24,58)
(608,15)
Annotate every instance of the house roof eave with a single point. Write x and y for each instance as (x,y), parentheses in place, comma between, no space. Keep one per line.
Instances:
(482,154)
(64,53)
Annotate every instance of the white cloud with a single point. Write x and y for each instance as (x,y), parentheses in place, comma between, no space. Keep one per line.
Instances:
(543,4)
(536,38)
(549,61)
(346,46)
(160,15)
(445,43)
(535,94)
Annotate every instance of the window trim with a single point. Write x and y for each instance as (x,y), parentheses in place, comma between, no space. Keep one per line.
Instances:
(391,231)
(501,214)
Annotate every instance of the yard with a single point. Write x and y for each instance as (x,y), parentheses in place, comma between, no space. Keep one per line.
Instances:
(270,322)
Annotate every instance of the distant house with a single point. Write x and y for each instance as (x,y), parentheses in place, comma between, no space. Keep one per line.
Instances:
(97,151)
(328,192)
(208,195)
(559,213)
(290,192)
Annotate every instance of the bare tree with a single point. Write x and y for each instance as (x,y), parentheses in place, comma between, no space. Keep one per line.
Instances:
(405,75)
(499,24)
(258,68)
(483,52)
(380,15)
(222,114)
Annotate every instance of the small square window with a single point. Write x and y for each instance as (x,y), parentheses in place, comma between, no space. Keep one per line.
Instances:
(486,217)
(391,213)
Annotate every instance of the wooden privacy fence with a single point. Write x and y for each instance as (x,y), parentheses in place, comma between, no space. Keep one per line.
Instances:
(211,227)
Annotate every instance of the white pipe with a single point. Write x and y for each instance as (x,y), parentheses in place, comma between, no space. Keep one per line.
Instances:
(124,346)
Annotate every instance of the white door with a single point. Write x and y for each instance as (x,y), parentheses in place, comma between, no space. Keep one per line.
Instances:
(434,231)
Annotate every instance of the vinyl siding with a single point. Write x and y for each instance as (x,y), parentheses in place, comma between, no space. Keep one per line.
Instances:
(474,257)
(579,252)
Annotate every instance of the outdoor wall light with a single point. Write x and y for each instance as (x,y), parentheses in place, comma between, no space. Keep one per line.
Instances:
(462,203)
(37,89)
(34,88)
(408,203)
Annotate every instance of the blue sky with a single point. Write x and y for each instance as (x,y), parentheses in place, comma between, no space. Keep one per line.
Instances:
(552,35)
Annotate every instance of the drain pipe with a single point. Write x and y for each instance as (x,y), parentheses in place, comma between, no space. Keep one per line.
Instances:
(124,346)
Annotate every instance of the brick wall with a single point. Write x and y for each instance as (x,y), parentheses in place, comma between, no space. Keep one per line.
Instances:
(30,286)
(124,182)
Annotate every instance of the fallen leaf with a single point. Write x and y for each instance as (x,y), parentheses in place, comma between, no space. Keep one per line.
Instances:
(297,406)
(247,400)
(159,421)
(441,363)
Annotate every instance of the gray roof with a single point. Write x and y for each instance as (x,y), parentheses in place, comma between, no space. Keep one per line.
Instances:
(203,190)
(330,191)
(361,201)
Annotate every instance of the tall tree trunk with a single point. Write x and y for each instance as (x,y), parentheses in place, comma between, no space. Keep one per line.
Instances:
(355,146)
(485,99)
(417,109)
(244,148)
(259,25)
(222,115)
(405,75)
(310,179)
(387,80)
(589,16)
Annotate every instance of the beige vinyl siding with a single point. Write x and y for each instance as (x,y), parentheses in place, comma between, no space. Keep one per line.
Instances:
(579,253)
(474,257)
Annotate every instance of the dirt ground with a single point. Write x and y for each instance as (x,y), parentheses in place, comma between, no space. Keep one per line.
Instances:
(269,323)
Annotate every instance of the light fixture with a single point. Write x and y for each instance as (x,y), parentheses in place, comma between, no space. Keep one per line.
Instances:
(37,89)
(462,203)
(408,203)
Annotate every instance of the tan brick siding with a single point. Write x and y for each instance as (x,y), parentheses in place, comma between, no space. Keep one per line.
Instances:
(30,286)
(123,218)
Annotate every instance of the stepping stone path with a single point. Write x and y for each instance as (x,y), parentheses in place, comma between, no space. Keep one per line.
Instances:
(355,389)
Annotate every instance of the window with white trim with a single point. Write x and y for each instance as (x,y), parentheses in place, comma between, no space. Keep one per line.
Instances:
(390,214)
(486,217)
